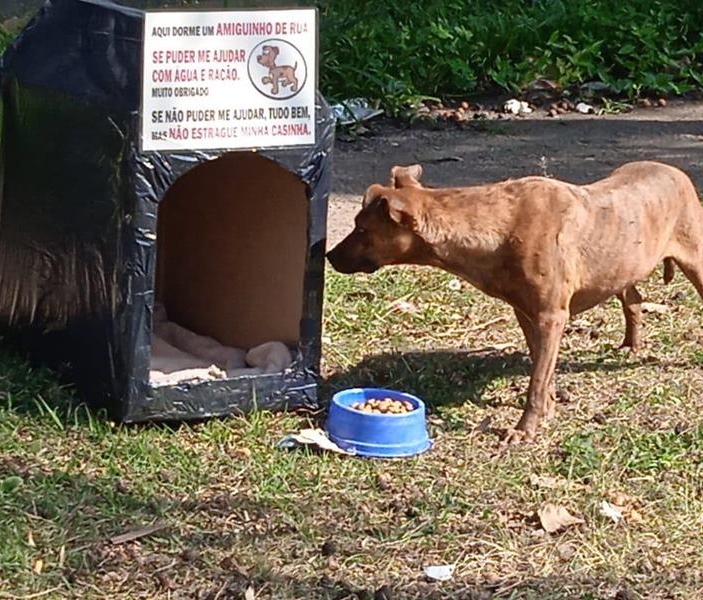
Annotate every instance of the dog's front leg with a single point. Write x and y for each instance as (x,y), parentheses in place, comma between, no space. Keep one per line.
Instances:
(529,333)
(547,329)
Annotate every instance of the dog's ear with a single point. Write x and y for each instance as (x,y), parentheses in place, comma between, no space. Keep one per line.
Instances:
(398,210)
(372,193)
(406,176)
(391,203)
(274,50)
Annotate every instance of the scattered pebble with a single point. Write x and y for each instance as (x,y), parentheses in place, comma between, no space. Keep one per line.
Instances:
(328,548)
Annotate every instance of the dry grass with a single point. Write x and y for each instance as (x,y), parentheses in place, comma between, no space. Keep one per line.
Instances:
(240,514)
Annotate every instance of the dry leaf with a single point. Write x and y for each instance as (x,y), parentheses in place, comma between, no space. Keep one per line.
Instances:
(611,511)
(619,498)
(554,517)
(30,540)
(136,533)
(635,517)
(404,306)
(38,566)
(483,426)
(653,307)
(249,594)
(566,551)
(242,452)
(541,481)
(62,556)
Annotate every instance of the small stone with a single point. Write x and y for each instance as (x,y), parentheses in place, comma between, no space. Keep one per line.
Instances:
(563,396)
(383,593)
(383,481)
(465,105)
(189,555)
(600,418)
(661,102)
(328,548)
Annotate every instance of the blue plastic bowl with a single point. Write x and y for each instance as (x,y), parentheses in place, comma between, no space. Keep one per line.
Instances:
(378,435)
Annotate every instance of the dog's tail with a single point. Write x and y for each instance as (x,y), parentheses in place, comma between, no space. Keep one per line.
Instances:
(668,270)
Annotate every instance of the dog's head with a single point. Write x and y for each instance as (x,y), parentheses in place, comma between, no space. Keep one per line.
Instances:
(268,56)
(385,233)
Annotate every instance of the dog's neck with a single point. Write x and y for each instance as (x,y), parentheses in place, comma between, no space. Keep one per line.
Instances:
(462,221)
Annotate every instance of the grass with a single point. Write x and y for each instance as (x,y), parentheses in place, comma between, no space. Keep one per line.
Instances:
(238,513)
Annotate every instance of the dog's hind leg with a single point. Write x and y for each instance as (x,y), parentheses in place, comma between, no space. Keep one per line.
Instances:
(688,253)
(631,301)
(694,273)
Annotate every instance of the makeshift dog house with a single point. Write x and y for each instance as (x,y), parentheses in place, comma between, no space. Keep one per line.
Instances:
(93,231)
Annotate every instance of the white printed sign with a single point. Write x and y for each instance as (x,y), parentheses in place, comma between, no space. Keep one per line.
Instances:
(229,79)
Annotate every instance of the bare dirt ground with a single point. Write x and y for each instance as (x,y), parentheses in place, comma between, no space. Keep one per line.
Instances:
(573,147)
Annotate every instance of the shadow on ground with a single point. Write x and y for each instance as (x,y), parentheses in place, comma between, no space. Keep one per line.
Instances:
(444,378)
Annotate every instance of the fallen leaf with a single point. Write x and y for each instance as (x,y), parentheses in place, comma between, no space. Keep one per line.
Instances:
(30,540)
(543,481)
(404,306)
(634,516)
(136,533)
(249,594)
(483,426)
(566,551)
(554,517)
(619,498)
(242,452)
(38,566)
(611,511)
(653,307)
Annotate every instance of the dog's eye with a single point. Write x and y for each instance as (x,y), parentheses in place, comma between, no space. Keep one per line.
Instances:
(360,230)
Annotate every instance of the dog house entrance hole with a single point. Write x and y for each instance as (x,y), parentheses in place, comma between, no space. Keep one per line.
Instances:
(231,256)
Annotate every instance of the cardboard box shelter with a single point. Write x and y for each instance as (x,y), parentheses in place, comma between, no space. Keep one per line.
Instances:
(93,231)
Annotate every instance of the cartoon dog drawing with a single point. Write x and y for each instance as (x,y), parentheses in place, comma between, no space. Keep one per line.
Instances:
(285,74)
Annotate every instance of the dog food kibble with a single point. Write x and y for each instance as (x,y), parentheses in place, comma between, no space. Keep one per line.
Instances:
(384,406)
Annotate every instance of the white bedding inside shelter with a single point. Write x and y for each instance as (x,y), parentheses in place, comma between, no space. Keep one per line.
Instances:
(180,355)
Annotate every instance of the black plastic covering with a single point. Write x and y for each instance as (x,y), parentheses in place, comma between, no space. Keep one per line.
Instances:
(78,220)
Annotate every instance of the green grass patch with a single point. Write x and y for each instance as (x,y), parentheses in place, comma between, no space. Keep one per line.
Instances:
(236,512)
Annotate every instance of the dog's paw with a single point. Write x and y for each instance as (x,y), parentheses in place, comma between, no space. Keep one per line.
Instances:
(628,349)
(515,437)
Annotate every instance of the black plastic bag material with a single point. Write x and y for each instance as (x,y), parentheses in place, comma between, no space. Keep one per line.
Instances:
(93,231)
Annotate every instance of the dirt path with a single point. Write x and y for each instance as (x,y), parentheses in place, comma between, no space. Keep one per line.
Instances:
(574,147)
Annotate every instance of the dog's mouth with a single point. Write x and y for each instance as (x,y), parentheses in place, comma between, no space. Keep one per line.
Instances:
(349,267)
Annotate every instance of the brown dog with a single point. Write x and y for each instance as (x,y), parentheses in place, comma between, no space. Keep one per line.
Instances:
(549,248)
(285,74)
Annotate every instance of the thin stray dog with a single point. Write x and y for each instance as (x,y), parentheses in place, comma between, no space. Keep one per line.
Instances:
(285,74)
(548,248)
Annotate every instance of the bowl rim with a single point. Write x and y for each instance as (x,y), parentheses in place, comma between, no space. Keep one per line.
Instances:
(413,413)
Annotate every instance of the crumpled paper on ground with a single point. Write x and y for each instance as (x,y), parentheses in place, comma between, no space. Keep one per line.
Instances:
(311,437)
(354,110)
